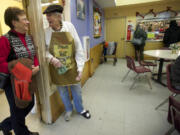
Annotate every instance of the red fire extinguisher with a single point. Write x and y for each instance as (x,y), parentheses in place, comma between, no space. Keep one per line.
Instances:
(129,32)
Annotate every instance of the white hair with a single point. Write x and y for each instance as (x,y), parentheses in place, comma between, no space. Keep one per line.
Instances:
(57,13)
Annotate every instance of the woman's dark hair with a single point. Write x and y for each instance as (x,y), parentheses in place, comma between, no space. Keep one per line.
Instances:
(173,23)
(137,29)
(11,14)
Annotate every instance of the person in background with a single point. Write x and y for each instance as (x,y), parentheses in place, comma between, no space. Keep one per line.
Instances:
(13,45)
(175,74)
(172,34)
(71,78)
(139,48)
(105,46)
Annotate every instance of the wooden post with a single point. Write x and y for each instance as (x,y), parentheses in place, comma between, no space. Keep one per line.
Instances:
(34,11)
(67,10)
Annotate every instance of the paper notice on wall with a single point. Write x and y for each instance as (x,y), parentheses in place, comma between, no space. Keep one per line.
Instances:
(151,35)
(86,47)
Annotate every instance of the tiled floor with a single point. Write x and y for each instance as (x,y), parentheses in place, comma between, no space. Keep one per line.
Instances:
(115,109)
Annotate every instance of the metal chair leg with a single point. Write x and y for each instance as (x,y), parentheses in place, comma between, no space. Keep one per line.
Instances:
(154,67)
(125,76)
(165,101)
(134,82)
(149,81)
(170,131)
(115,60)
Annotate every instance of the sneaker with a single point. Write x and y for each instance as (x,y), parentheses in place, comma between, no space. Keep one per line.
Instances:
(67,116)
(86,114)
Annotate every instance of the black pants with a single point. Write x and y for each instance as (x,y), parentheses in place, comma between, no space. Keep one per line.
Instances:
(16,121)
(139,52)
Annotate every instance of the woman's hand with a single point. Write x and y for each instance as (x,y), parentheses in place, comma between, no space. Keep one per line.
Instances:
(35,69)
(55,62)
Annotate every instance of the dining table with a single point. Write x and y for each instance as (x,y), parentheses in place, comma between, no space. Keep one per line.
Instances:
(162,55)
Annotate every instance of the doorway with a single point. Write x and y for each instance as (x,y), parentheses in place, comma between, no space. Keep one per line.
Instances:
(116,31)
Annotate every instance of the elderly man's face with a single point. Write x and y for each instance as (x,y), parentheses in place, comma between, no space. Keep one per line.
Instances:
(54,20)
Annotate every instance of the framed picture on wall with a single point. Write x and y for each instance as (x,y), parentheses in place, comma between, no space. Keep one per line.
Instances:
(80,9)
(97,23)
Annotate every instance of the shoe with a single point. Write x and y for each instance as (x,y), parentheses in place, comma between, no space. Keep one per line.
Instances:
(86,114)
(67,116)
(5,132)
(33,133)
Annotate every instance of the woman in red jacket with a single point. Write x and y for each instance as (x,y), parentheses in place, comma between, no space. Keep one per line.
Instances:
(13,45)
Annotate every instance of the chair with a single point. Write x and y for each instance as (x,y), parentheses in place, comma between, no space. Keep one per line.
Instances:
(146,63)
(169,85)
(109,51)
(137,69)
(174,114)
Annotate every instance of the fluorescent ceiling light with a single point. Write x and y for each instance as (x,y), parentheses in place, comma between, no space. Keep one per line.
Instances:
(131,2)
(115,2)
(45,4)
(55,2)
(48,3)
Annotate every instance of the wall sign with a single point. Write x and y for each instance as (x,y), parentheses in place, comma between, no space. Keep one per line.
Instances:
(80,7)
(97,23)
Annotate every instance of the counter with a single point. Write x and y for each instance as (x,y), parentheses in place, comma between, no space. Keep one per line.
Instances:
(150,45)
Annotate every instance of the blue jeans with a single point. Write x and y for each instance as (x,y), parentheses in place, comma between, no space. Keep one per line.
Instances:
(76,94)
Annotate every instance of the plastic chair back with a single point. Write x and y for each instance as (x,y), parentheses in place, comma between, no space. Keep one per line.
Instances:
(169,81)
(130,63)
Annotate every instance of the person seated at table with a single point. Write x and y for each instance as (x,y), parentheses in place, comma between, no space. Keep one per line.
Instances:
(109,48)
(172,34)
(175,74)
